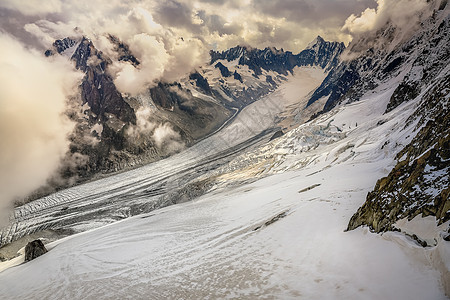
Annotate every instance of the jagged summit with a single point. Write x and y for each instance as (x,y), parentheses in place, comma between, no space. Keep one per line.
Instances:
(230,54)
(314,43)
(63,46)
(318,53)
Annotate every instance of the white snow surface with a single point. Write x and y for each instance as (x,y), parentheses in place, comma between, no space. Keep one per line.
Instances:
(208,248)
(279,237)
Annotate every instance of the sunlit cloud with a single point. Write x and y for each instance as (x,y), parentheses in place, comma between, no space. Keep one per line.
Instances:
(33,127)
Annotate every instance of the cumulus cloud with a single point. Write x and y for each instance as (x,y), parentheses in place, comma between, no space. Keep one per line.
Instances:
(167,138)
(144,126)
(401,13)
(33,128)
(153,57)
(400,18)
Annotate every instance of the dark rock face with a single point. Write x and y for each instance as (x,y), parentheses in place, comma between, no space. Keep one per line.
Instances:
(337,83)
(404,92)
(163,96)
(61,45)
(124,51)
(237,76)
(201,82)
(321,53)
(97,88)
(223,70)
(276,135)
(230,54)
(193,117)
(394,64)
(270,80)
(34,249)
(419,183)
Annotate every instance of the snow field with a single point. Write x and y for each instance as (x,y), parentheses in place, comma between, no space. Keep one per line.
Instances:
(280,237)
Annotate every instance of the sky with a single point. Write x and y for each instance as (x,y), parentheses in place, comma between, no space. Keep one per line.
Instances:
(170,39)
(220,24)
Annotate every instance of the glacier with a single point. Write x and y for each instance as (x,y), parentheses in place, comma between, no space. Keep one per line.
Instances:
(268,220)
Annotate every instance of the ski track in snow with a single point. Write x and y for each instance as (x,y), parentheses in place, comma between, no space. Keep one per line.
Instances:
(229,243)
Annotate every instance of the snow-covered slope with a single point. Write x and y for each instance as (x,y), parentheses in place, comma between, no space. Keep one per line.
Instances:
(416,57)
(279,237)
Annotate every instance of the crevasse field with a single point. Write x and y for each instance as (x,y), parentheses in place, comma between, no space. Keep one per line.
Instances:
(270,226)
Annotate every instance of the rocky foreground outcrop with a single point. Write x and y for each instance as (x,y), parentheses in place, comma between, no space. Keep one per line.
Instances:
(34,249)
(419,183)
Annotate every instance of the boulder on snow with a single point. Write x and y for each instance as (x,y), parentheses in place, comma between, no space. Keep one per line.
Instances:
(34,249)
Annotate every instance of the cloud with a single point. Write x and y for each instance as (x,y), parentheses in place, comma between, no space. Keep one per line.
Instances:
(167,139)
(47,32)
(175,14)
(153,57)
(399,18)
(33,128)
(401,13)
(161,134)
(144,125)
(33,7)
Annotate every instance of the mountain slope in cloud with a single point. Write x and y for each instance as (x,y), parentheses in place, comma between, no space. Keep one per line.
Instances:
(378,51)
(33,99)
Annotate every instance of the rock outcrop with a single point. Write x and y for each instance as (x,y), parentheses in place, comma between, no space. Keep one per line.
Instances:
(34,249)
(419,183)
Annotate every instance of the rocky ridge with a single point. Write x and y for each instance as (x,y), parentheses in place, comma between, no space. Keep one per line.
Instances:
(419,183)
(386,54)
(318,53)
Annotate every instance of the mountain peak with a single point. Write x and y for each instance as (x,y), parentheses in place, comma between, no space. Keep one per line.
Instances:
(317,41)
